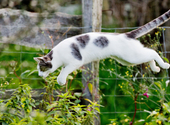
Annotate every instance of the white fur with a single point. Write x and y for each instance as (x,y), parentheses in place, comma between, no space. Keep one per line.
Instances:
(125,50)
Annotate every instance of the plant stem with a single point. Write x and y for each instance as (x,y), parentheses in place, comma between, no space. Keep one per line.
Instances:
(135,101)
(72,80)
(17,76)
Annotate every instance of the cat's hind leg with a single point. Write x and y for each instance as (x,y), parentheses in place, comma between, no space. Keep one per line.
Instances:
(148,55)
(160,61)
(153,55)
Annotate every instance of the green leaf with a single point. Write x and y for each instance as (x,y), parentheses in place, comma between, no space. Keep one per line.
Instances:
(90,86)
(2,92)
(161,117)
(49,119)
(23,73)
(166,107)
(166,59)
(77,101)
(4,123)
(69,77)
(158,84)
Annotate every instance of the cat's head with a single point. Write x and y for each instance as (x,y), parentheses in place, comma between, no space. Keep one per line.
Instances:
(44,66)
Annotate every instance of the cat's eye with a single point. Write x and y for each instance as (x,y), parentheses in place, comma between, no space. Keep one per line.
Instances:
(44,66)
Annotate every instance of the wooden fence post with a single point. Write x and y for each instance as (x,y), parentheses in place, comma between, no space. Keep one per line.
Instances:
(96,27)
(92,18)
(87,23)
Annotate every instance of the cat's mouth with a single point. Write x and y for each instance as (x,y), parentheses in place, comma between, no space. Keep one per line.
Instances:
(44,75)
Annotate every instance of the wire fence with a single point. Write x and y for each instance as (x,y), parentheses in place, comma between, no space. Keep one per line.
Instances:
(112,102)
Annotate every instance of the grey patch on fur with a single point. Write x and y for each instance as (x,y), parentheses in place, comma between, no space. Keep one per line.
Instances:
(167,15)
(44,66)
(131,35)
(161,18)
(83,40)
(149,25)
(75,51)
(101,42)
(155,21)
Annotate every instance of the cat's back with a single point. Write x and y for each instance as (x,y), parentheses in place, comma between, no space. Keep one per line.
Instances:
(96,41)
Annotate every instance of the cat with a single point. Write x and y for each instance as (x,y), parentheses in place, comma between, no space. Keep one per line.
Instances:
(76,51)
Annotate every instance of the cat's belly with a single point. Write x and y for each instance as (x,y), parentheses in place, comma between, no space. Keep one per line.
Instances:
(123,62)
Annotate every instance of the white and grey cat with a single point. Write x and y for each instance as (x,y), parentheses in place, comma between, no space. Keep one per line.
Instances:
(76,51)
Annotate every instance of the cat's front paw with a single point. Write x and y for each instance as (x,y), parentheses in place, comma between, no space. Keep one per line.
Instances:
(61,81)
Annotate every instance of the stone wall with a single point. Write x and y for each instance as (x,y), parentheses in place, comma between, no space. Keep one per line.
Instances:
(33,29)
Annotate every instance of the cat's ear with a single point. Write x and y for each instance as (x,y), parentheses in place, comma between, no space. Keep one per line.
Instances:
(38,59)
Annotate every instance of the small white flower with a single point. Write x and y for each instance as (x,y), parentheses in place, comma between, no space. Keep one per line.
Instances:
(141,120)
(167,83)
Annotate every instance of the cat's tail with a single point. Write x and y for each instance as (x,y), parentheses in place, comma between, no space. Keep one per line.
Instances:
(149,26)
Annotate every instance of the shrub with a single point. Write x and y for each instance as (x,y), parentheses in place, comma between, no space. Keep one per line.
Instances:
(20,109)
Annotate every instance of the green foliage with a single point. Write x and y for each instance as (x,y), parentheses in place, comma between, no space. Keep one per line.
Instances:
(17,65)
(70,112)
(147,90)
(160,116)
(21,109)
(18,106)
(122,119)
